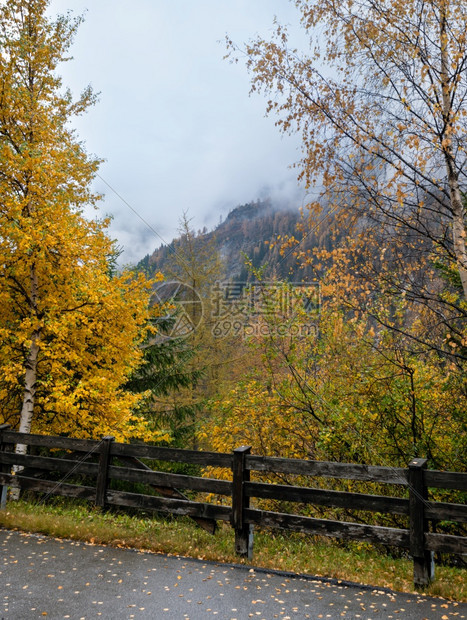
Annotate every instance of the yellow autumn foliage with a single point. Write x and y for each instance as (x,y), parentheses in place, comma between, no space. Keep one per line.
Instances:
(70,328)
(352,394)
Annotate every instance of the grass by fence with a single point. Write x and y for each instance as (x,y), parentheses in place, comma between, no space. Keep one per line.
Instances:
(95,461)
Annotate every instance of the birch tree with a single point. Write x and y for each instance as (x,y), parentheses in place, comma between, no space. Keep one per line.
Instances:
(380,99)
(69,330)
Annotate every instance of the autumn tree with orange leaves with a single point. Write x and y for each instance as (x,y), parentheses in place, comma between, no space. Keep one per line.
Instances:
(381,102)
(70,329)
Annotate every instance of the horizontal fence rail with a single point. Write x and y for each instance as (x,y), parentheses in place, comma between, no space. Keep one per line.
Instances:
(53,465)
(344,471)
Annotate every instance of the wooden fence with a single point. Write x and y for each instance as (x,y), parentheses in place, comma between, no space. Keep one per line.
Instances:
(77,458)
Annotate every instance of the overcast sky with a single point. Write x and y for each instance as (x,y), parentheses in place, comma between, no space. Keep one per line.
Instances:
(175,122)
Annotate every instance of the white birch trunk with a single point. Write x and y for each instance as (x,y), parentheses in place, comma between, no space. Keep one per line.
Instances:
(30,379)
(457,205)
(459,231)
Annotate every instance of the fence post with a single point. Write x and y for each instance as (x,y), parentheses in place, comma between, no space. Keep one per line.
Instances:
(423,561)
(243,531)
(4,468)
(103,472)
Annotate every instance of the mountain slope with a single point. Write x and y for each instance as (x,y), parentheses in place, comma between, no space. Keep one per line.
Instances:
(249,231)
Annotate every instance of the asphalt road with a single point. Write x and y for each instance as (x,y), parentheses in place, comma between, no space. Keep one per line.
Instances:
(46,578)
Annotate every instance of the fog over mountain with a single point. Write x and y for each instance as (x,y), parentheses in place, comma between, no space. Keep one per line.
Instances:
(250,230)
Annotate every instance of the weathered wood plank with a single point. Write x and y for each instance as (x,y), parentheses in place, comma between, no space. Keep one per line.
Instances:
(103,473)
(323,497)
(446,543)
(63,443)
(240,502)
(174,506)
(347,471)
(48,486)
(135,450)
(182,481)
(47,463)
(417,500)
(325,527)
(444,511)
(423,564)
(216,459)
(445,479)
(33,473)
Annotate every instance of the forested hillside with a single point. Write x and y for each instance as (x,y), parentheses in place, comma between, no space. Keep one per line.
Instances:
(252,231)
